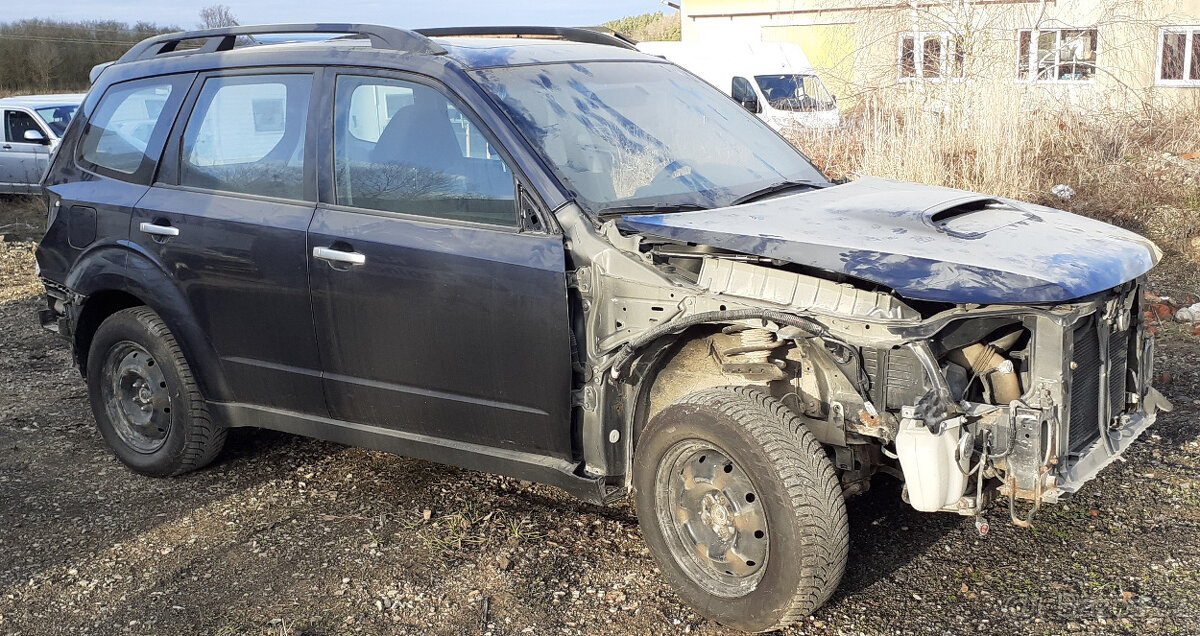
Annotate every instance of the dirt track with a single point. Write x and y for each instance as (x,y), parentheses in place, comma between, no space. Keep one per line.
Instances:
(284,535)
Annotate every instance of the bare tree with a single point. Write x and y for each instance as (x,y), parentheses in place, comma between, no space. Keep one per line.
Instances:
(216,16)
(45,61)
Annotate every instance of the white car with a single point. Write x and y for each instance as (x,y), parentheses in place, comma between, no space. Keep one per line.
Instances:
(33,125)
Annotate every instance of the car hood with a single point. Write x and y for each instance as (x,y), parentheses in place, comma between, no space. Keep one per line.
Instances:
(925,242)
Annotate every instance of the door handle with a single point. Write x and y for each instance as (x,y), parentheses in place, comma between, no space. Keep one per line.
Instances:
(8,146)
(159,230)
(339,256)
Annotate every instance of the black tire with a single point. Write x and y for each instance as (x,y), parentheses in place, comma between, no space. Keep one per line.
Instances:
(779,488)
(145,399)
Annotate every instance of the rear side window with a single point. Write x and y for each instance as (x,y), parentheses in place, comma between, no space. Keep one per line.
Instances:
(404,147)
(246,134)
(125,132)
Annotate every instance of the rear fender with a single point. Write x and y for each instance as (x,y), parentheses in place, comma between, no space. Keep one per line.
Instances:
(124,270)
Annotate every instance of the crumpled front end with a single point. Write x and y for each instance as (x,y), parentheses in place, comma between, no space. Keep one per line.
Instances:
(1048,398)
(969,403)
(980,403)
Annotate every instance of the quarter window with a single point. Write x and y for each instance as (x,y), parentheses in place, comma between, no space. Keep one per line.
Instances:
(246,134)
(1179,56)
(125,132)
(1056,55)
(404,147)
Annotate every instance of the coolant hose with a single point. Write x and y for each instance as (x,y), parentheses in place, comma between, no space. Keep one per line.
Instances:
(986,361)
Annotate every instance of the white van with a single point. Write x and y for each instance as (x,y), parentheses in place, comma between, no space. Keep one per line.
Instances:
(773,80)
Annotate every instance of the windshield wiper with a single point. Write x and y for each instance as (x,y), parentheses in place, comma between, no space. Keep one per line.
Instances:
(773,189)
(622,210)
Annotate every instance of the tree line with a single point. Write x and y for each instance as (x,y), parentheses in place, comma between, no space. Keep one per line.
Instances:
(648,26)
(54,56)
(49,56)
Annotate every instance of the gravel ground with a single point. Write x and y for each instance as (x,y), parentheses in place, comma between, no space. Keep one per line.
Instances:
(285,535)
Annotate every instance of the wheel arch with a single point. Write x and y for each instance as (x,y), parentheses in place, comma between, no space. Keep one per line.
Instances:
(667,360)
(105,286)
(674,366)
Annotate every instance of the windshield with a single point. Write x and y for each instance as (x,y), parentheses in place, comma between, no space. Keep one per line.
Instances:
(644,134)
(57,117)
(795,92)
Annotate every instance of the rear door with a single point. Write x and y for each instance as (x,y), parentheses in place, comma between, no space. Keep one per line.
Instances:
(228,217)
(22,162)
(436,312)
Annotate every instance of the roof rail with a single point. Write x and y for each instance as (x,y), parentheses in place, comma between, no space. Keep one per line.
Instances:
(224,39)
(589,36)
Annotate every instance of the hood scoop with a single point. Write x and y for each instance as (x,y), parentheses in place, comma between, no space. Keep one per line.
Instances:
(975,218)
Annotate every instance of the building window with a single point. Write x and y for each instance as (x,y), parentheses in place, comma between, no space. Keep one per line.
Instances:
(1056,55)
(1179,56)
(929,56)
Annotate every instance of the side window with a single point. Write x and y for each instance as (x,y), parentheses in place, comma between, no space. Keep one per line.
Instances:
(125,132)
(16,123)
(742,91)
(404,147)
(246,134)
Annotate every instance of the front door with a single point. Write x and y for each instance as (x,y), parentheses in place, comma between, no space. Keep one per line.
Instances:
(435,314)
(22,162)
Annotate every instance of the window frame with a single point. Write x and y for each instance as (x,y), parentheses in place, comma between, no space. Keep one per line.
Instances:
(948,49)
(182,85)
(37,121)
(170,167)
(328,189)
(1032,58)
(264,75)
(1190,63)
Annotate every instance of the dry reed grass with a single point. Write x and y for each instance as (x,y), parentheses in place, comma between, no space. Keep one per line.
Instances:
(1125,167)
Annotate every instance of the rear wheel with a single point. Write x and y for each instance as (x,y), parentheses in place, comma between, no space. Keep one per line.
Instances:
(145,399)
(741,508)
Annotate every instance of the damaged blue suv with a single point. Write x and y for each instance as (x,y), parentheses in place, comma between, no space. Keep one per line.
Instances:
(540,253)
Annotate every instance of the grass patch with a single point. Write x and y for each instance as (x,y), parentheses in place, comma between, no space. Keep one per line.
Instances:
(22,218)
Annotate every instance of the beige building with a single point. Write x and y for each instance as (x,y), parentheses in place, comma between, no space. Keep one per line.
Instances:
(1096,53)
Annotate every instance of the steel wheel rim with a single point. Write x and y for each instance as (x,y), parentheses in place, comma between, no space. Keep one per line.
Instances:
(136,397)
(712,517)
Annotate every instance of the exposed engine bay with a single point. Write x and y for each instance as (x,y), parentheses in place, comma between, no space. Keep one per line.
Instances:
(967,404)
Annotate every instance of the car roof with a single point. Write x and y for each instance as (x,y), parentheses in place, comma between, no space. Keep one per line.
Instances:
(43,101)
(369,45)
(475,52)
(470,52)
(485,52)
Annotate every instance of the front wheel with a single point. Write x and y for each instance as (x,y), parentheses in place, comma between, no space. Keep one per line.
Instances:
(741,508)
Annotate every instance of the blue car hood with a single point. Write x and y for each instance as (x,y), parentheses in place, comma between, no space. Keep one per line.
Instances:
(925,242)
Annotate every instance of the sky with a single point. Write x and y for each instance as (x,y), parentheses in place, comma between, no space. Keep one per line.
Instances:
(399,13)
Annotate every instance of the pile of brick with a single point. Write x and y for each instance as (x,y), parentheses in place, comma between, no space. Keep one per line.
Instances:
(1162,309)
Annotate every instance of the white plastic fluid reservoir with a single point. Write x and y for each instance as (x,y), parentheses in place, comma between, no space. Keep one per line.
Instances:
(930,470)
